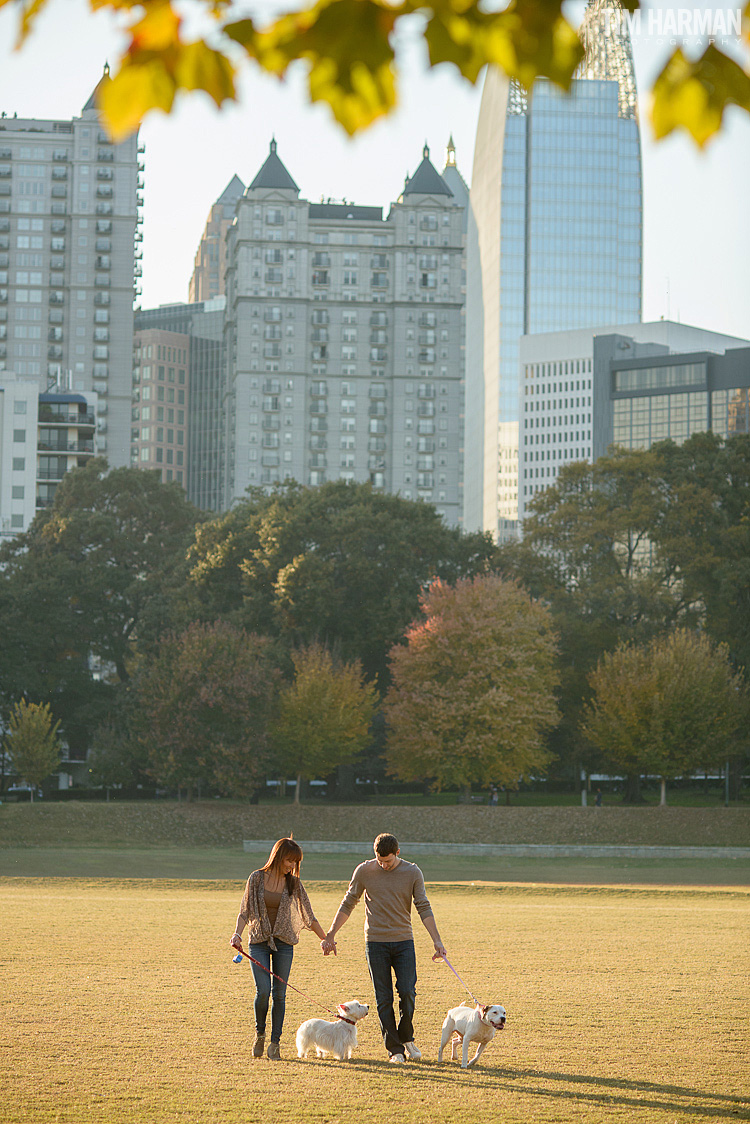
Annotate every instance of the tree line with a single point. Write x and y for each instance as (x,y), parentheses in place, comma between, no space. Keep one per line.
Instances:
(310,628)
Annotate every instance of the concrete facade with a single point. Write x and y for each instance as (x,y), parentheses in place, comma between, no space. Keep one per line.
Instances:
(344,340)
(70,262)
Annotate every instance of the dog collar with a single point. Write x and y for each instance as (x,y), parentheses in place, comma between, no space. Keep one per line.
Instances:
(345,1020)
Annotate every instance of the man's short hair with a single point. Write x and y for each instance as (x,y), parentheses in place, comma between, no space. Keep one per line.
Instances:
(386,844)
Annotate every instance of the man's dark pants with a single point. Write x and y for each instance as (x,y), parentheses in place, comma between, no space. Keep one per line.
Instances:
(383,957)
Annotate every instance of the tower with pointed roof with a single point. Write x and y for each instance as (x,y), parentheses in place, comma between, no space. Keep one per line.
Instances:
(207,280)
(70,234)
(343,338)
(554,243)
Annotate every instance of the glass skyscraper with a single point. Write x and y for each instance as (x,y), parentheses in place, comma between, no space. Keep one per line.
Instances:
(554,242)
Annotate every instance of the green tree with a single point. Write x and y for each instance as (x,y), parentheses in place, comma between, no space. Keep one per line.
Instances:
(589,552)
(668,707)
(324,716)
(204,703)
(93,576)
(116,758)
(473,687)
(339,564)
(349,50)
(32,742)
(704,531)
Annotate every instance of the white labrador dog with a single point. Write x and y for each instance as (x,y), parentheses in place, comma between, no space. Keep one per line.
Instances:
(339,1038)
(471,1024)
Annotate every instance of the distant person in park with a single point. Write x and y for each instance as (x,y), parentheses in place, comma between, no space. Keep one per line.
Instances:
(598,801)
(276,908)
(390,885)
(493,796)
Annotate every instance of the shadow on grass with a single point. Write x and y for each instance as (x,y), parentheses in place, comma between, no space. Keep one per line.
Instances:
(614,1090)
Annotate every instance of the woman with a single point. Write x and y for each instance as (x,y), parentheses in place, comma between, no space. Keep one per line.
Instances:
(276,908)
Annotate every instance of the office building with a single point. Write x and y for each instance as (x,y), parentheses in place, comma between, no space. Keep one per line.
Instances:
(344,339)
(207,281)
(70,261)
(554,238)
(585,390)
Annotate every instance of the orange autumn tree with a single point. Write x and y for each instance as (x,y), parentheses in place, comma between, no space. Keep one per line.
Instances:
(473,691)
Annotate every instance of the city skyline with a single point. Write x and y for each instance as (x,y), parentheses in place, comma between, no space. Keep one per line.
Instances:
(696,230)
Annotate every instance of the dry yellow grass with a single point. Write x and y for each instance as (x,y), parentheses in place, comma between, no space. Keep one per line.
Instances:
(119,1002)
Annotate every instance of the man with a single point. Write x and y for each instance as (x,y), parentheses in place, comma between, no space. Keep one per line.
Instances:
(390,884)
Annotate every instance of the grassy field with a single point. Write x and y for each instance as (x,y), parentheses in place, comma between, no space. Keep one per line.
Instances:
(232,862)
(119,1003)
(210,823)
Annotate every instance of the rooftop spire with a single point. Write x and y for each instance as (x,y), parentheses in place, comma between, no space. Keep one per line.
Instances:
(273,173)
(450,153)
(609,54)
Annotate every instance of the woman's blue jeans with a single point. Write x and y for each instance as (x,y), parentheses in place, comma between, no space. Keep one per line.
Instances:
(266,987)
(384,957)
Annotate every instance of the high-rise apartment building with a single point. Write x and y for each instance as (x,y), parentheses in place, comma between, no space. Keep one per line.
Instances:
(207,281)
(554,239)
(69,261)
(43,434)
(344,339)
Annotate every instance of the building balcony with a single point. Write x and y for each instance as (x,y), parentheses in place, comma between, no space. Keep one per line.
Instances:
(84,447)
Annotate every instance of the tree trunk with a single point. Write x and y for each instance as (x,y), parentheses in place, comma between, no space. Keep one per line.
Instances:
(31,790)
(632,793)
(663,800)
(507,797)
(297,788)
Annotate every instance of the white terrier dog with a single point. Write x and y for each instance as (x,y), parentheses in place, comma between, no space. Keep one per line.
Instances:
(471,1024)
(339,1038)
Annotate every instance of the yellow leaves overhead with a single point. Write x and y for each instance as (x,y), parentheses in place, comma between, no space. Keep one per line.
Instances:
(347,46)
(530,38)
(693,94)
(156,65)
(348,49)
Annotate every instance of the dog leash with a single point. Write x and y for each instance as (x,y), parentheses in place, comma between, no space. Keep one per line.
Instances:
(286,983)
(455,973)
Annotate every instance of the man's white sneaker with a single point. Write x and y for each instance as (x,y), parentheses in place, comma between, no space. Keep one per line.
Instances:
(397,1059)
(413,1051)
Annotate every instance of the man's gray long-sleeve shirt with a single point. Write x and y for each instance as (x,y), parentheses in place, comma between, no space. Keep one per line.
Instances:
(388,898)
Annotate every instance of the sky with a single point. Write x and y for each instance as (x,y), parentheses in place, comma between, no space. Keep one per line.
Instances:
(696,218)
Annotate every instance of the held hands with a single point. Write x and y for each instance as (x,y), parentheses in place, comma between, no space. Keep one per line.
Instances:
(328,945)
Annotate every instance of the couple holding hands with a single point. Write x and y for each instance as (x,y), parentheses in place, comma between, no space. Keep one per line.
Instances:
(276,908)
